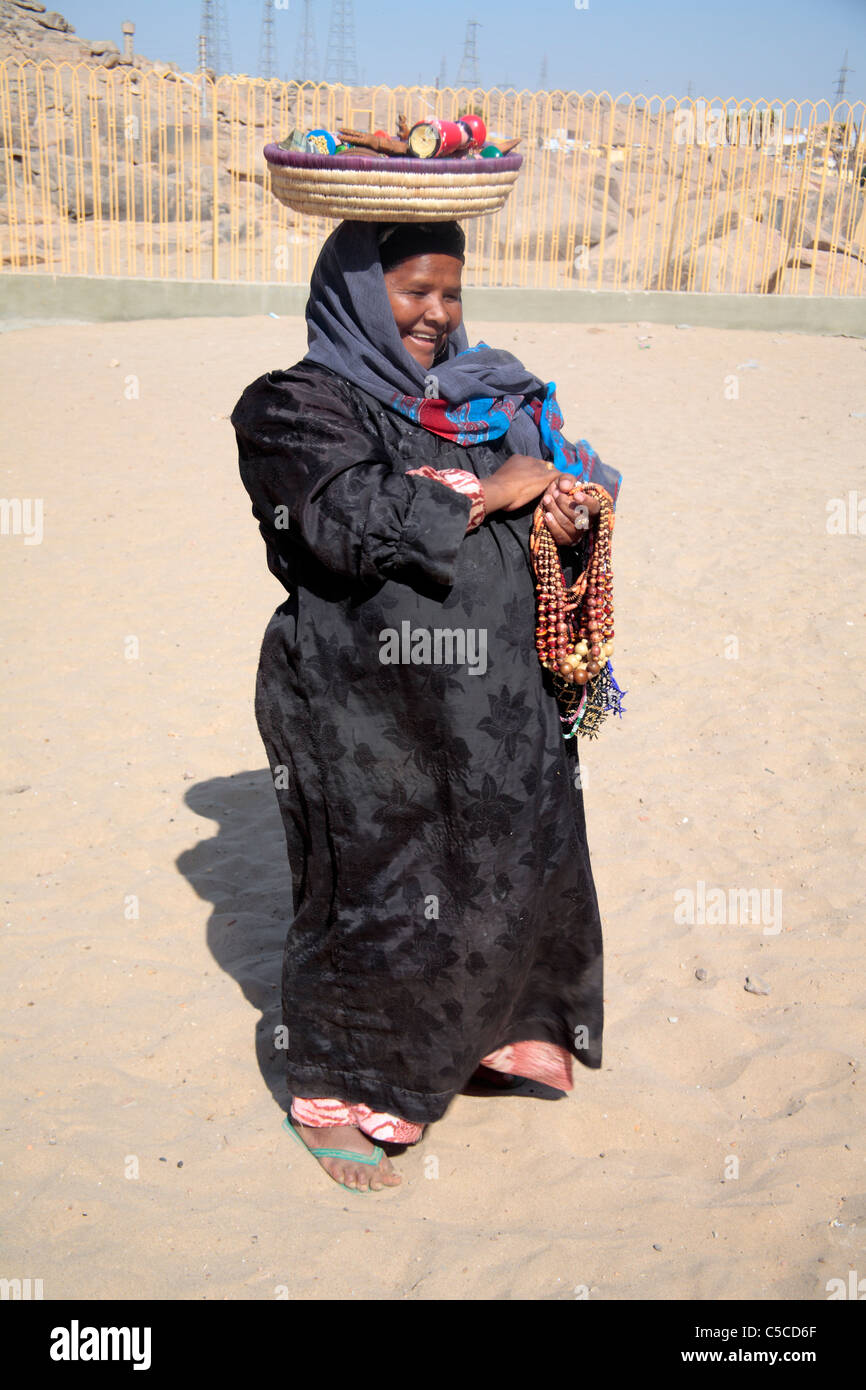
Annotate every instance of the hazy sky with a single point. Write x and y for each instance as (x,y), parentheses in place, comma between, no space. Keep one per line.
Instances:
(725,48)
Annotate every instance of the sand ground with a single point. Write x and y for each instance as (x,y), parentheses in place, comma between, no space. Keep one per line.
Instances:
(718,1154)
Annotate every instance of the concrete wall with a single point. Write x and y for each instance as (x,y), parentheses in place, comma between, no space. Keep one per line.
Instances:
(27,297)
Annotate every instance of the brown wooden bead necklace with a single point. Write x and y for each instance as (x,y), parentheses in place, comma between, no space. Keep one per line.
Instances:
(574,632)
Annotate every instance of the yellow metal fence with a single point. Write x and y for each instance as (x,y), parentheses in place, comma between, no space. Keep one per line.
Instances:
(125,172)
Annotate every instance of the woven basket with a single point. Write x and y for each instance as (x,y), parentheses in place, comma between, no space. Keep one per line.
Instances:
(356,188)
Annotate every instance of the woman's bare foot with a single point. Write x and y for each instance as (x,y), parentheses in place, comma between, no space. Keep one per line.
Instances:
(362,1176)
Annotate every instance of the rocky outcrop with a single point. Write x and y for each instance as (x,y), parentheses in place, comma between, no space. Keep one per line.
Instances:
(28,30)
(88,147)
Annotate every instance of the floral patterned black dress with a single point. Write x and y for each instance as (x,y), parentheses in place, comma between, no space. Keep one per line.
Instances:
(443,900)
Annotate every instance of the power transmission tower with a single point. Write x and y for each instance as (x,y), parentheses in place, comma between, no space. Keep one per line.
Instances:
(215,32)
(268,43)
(206,35)
(342,60)
(842,79)
(542,76)
(222,31)
(306,58)
(467,75)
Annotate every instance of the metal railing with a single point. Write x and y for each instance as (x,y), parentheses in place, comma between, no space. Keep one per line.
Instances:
(123,172)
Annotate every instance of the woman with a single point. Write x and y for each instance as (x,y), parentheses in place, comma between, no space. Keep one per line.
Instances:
(445,916)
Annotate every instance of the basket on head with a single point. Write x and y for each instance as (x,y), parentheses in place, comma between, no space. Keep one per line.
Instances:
(359,188)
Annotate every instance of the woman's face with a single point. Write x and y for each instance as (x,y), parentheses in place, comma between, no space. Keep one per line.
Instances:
(424,293)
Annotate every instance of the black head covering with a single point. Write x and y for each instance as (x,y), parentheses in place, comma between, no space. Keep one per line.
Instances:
(400,240)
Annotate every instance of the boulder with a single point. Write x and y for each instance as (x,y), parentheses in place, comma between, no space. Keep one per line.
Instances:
(818,218)
(99,46)
(248,173)
(53,20)
(145,196)
(584,273)
(799,271)
(723,225)
(13,24)
(29,250)
(29,5)
(547,230)
(613,185)
(227,232)
(704,261)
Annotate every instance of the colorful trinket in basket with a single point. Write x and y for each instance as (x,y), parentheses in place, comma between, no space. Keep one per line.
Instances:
(432,171)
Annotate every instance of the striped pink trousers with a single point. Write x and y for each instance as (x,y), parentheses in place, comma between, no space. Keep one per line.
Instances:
(537,1061)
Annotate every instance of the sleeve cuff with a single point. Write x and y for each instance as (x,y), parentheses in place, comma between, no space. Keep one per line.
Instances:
(431,531)
(459,480)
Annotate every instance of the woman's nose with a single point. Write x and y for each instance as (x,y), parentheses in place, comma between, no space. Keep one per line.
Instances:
(436,311)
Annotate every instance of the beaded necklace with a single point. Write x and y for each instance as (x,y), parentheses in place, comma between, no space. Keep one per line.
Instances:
(574,632)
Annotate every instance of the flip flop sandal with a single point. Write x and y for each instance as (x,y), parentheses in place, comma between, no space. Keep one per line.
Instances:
(371,1161)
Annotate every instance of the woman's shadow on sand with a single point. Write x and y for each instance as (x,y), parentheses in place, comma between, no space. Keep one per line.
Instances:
(243,871)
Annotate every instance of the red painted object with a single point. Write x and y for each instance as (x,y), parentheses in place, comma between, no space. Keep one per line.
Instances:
(476,128)
(437,139)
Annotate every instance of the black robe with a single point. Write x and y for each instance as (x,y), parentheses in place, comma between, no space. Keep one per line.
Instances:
(443,899)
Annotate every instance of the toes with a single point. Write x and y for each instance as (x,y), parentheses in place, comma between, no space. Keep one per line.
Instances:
(358,1178)
(341,1172)
(389,1177)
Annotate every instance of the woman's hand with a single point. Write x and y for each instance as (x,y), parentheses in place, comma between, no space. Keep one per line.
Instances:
(567,509)
(520,479)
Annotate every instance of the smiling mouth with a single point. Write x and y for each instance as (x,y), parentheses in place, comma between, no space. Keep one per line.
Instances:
(428,340)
